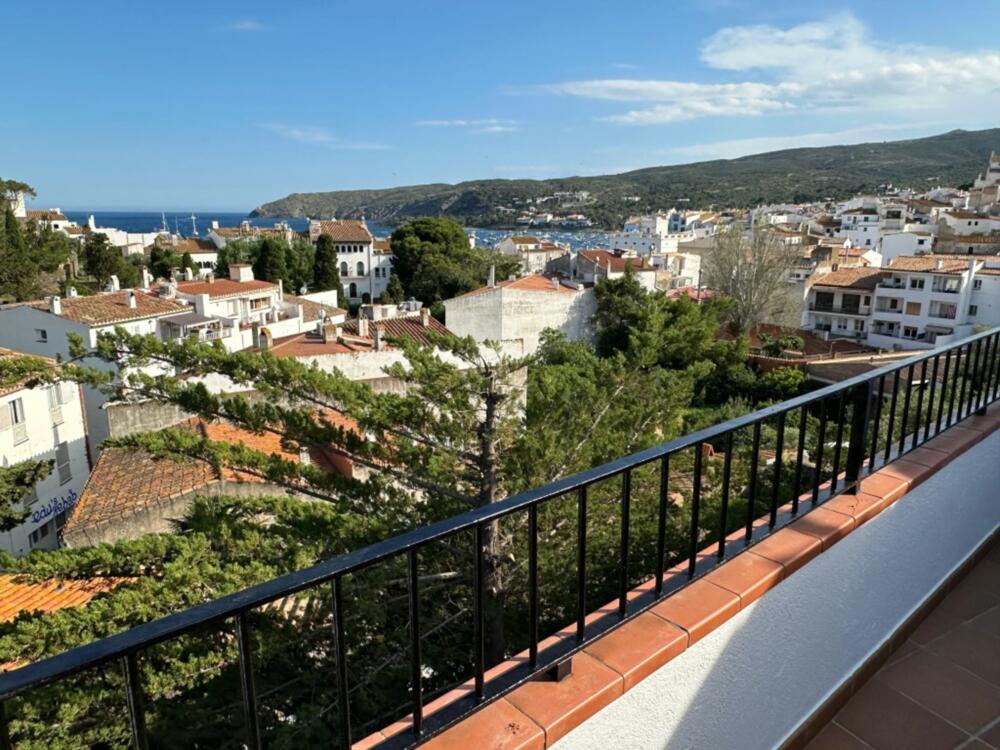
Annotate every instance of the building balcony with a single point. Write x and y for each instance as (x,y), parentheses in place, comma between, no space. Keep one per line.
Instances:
(945,290)
(861,311)
(889,310)
(891,284)
(820,549)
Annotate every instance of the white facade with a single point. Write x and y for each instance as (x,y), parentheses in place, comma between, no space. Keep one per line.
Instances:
(862,226)
(364,272)
(44,423)
(894,244)
(520,310)
(535,254)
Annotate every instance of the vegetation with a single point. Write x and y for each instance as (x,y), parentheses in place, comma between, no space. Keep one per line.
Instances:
(798,175)
(434,261)
(326,273)
(26,252)
(471,426)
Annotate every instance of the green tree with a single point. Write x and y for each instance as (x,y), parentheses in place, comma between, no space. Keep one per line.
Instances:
(10,188)
(18,266)
(101,259)
(621,303)
(434,261)
(326,272)
(187,262)
(300,258)
(270,262)
(16,483)
(162,260)
(393,293)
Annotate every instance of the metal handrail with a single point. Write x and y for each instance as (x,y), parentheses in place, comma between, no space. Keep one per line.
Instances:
(859,393)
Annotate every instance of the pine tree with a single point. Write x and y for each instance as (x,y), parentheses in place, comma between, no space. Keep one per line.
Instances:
(18,265)
(393,293)
(270,263)
(326,273)
(101,259)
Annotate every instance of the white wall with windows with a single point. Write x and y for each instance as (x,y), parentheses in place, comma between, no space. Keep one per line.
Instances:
(44,423)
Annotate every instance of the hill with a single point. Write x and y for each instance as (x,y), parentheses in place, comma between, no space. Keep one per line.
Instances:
(796,175)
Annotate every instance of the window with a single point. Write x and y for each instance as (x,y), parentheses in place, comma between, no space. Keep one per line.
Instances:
(913,308)
(62,463)
(977,284)
(41,335)
(973,309)
(916,283)
(361,269)
(909,332)
(352,290)
(343,269)
(41,532)
(55,403)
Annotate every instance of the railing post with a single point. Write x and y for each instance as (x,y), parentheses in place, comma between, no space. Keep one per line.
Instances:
(5,743)
(133,698)
(862,398)
(245,651)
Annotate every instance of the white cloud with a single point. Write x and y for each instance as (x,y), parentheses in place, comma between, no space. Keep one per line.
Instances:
(318,136)
(247,24)
(830,65)
(480,125)
(733,149)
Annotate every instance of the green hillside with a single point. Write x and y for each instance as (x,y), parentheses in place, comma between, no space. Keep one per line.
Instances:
(801,174)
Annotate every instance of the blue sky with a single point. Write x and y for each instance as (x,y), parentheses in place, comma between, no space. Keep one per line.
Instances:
(225,105)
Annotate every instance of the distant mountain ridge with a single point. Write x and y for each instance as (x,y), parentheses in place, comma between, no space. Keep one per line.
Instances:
(792,175)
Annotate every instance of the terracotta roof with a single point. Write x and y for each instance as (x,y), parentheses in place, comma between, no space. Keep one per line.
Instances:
(929,264)
(47,214)
(383,246)
(409,327)
(220,288)
(988,239)
(812,345)
(691,293)
(112,307)
(533,283)
(126,482)
(958,214)
(618,263)
(19,594)
(249,231)
(854,278)
(346,230)
(311,344)
(861,212)
(194,245)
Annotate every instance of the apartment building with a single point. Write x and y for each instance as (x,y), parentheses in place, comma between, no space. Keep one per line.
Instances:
(535,254)
(43,423)
(839,303)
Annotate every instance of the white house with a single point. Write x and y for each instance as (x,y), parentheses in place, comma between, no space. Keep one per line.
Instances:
(592,265)
(204,253)
(894,244)
(862,226)
(535,254)
(364,272)
(838,303)
(41,327)
(43,423)
(518,310)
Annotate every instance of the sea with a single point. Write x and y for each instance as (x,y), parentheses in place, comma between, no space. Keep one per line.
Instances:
(189,223)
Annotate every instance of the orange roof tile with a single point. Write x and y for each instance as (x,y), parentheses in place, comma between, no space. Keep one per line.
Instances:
(929,264)
(112,307)
(11,354)
(533,283)
(854,278)
(219,288)
(346,230)
(19,594)
(617,263)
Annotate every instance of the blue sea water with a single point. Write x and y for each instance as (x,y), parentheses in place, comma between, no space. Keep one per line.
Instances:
(149,221)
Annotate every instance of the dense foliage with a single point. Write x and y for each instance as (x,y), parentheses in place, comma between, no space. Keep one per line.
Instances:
(26,252)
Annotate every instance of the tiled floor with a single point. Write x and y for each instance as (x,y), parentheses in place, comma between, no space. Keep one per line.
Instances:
(941,688)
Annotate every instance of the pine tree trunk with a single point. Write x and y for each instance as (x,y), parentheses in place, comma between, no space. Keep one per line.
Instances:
(493,582)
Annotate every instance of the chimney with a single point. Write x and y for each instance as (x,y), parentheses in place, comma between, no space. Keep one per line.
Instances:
(130,297)
(265,341)
(492,280)
(210,277)
(171,291)
(363,327)
(938,264)
(281,289)
(71,291)
(189,274)
(55,305)
(555,283)
(215,224)
(378,338)
(329,333)
(113,284)
(425,317)
(147,278)
(304,457)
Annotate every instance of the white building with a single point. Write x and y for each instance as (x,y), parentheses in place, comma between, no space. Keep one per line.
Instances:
(535,254)
(364,272)
(44,423)
(518,310)
(862,226)
(204,253)
(838,303)
(985,192)
(593,265)
(41,328)
(894,244)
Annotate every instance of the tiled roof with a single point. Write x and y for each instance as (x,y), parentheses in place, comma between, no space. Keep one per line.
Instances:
(194,245)
(383,246)
(929,264)
(987,239)
(224,287)
(47,214)
(408,327)
(112,307)
(19,594)
(346,230)
(126,482)
(853,278)
(958,214)
(604,258)
(532,283)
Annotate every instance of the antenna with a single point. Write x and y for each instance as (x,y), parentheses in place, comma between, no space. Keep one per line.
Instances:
(194,226)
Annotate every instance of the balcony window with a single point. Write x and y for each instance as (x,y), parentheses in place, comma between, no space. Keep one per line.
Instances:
(62,463)
(913,308)
(973,309)
(916,283)
(909,332)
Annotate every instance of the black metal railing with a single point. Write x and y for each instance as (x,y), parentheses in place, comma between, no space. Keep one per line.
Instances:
(858,425)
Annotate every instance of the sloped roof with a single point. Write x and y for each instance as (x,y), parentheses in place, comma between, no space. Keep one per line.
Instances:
(853,278)
(929,264)
(18,593)
(346,230)
(194,245)
(533,283)
(112,307)
(11,354)
(220,288)
(617,263)
(409,327)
